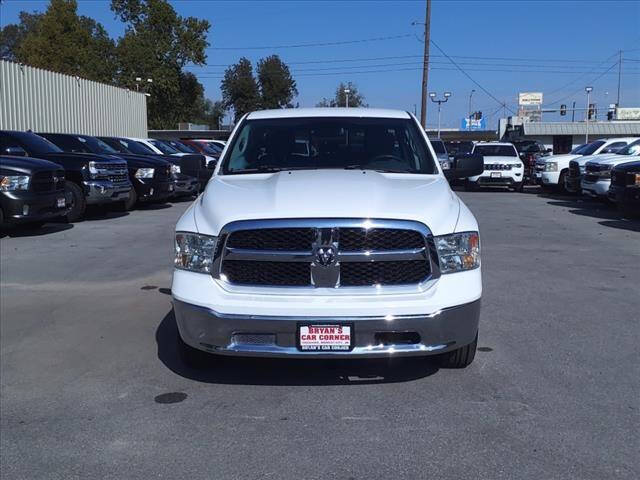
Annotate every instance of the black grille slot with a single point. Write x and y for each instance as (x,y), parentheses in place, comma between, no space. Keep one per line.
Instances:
(574,169)
(591,178)
(496,166)
(622,179)
(267,273)
(383,273)
(273,239)
(354,239)
(119,178)
(592,168)
(48,181)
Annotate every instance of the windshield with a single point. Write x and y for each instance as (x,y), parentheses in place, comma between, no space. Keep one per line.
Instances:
(590,148)
(35,144)
(496,150)
(578,149)
(163,147)
(128,146)
(181,147)
(210,147)
(390,145)
(438,146)
(631,149)
(459,147)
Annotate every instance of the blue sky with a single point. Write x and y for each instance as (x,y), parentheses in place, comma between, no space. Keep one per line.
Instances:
(553,47)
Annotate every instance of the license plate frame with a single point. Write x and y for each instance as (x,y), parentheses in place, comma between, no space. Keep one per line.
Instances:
(326,348)
(496,174)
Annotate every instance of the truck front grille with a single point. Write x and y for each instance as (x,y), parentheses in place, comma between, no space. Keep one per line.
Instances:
(49,181)
(325,253)
(622,179)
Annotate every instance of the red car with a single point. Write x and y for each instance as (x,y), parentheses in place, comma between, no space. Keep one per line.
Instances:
(204,147)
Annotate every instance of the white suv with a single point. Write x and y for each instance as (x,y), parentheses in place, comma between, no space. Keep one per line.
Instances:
(356,247)
(502,166)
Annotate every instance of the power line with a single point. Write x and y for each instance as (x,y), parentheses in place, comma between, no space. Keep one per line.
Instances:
(580,89)
(319,44)
(469,76)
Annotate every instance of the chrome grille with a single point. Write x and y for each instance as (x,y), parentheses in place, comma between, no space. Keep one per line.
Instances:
(325,253)
(48,181)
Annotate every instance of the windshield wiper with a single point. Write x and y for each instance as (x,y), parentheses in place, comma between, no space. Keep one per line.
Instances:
(269,169)
(379,170)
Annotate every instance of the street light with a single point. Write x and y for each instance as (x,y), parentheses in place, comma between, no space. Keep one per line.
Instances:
(470,95)
(432,96)
(346,92)
(139,79)
(588,90)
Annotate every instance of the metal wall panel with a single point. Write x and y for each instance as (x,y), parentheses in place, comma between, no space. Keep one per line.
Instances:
(43,101)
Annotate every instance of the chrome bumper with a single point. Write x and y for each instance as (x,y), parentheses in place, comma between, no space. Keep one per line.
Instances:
(271,336)
(105,191)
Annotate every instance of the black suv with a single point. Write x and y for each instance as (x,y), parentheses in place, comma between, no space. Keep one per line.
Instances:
(150,176)
(90,179)
(625,188)
(31,190)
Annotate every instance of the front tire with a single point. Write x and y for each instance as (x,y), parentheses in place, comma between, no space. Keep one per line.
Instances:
(78,202)
(460,358)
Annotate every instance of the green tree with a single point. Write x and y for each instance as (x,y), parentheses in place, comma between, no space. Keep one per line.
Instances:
(356,99)
(158,44)
(240,90)
(277,86)
(212,113)
(61,40)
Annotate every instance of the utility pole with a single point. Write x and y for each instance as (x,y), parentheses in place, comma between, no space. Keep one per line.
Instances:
(573,112)
(588,90)
(619,75)
(470,95)
(425,64)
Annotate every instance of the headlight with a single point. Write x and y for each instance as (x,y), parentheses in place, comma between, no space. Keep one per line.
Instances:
(144,173)
(637,179)
(605,171)
(14,182)
(551,167)
(175,168)
(445,164)
(92,168)
(458,251)
(194,252)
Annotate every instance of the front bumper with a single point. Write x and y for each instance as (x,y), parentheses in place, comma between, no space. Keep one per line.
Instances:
(628,196)
(506,178)
(21,207)
(185,185)
(275,336)
(596,189)
(549,178)
(105,191)
(153,190)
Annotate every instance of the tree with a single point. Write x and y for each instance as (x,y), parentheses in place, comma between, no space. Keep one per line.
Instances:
(61,41)
(157,44)
(356,99)
(277,86)
(212,113)
(240,89)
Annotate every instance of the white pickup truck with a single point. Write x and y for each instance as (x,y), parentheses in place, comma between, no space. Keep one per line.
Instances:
(597,176)
(356,247)
(553,171)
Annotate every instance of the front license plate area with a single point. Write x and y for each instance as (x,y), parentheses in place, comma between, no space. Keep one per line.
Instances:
(61,203)
(496,174)
(325,337)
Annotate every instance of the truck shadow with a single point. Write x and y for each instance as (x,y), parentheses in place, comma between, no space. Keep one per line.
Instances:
(272,371)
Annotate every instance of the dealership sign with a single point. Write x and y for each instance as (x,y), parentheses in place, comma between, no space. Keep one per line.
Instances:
(530,98)
(473,124)
(628,114)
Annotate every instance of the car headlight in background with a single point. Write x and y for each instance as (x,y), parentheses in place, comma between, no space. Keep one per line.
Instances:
(145,173)
(458,252)
(551,167)
(11,183)
(194,252)
(605,171)
(445,164)
(175,168)
(638,179)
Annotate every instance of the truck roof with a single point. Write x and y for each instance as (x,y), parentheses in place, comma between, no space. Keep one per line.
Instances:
(327,112)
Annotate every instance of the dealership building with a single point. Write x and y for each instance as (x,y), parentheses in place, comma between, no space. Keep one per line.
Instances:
(44,101)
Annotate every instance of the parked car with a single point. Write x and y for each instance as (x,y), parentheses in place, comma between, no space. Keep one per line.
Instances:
(459,147)
(597,177)
(90,179)
(206,148)
(441,153)
(553,172)
(189,150)
(625,188)
(149,175)
(183,185)
(502,167)
(332,254)
(530,151)
(31,190)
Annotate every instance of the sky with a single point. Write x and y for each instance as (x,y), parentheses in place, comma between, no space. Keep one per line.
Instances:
(503,47)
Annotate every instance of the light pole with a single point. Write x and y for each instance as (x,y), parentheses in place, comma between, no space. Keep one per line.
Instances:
(139,79)
(432,96)
(588,90)
(470,95)
(346,93)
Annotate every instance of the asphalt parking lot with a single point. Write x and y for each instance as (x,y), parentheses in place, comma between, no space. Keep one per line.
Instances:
(91,386)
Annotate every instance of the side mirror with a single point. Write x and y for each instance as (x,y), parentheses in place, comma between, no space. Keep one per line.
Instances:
(15,151)
(464,166)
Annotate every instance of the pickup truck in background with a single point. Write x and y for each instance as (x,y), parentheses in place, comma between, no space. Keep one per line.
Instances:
(90,179)
(625,188)
(31,190)
(149,175)
(357,249)
(597,177)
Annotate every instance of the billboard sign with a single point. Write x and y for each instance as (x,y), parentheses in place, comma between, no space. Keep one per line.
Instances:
(628,113)
(530,98)
(473,124)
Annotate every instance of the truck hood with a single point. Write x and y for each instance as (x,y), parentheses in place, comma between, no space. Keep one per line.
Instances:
(560,159)
(595,158)
(142,161)
(327,194)
(497,160)
(10,165)
(614,159)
